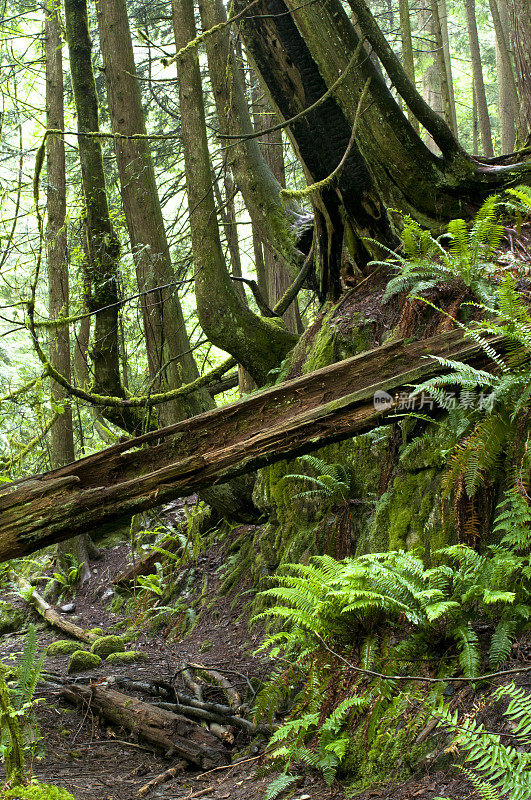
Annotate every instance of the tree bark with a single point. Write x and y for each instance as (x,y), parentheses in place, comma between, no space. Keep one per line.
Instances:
(507,94)
(168,348)
(479,85)
(407,52)
(257,344)
(520,19)
(296,417)
(62,450)
(103,245)
(258,184)
(443,19)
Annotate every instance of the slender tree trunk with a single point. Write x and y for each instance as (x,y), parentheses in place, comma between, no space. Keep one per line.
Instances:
(507,94)
(443,19)
(170,362)
(407,52)
(441,64)
(475,123)
(259,187)
(278,279)
(103,246)
(431,78)
(520,19)
(62,448)
(257,344)
(479,85)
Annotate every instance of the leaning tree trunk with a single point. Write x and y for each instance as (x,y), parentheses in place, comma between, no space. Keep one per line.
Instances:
(286,420)
(257,343)
(62,449)
(168,349)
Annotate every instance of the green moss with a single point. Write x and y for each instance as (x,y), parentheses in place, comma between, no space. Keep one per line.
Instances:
(127,657)
(62,647)
(11,618)
(35,791)
(383,748)
(105,645)
(82,660)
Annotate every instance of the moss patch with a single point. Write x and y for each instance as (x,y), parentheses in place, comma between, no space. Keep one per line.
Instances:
(62,647)
(82,660)
(127,657)
(36,791)
(11,618)
(106,645)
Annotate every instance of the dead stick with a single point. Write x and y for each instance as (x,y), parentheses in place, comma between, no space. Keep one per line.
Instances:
(170,773)
(197,794)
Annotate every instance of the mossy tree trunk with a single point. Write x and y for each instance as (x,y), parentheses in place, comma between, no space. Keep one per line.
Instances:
(299,51)
(168,349)
(257,343)
(62,450)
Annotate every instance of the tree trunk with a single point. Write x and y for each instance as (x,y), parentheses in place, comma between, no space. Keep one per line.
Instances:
(479,85)
(278,279)
(443,19)
(259,186)
(62,449)
(507,94)
(170,362)
(441,64)
(520,19)
(407,52)
(296,417)
(257,344)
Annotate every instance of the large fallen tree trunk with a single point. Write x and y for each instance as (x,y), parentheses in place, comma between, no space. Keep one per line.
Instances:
(295,417)
(172,733)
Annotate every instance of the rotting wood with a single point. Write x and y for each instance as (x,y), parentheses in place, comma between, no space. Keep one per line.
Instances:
(172,733)
(286,420)
(52,617)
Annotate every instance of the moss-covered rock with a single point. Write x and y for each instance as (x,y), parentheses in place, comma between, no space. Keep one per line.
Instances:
(62,647)
(35,791)
(82,660)
(105,645)
(127,657)
(11,618)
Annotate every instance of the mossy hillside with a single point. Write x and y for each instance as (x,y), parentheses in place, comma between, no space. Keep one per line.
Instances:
(383,748)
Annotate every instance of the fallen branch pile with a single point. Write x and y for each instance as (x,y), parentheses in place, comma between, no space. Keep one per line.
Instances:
(195,731)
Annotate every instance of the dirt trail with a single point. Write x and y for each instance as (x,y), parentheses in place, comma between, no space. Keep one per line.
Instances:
(95,761)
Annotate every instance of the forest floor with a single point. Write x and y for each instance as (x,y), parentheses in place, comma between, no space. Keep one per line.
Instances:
(95,761)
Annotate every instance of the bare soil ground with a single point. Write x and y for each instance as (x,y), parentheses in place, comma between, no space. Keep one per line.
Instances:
(95,761)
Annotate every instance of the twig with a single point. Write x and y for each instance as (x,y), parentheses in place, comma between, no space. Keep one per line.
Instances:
(420,678)
(197,794)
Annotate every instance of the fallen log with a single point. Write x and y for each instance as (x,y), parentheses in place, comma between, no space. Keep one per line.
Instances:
(172,733)
(286,420)
(52,617)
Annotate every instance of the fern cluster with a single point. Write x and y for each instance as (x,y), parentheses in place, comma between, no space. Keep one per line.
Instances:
(467,260)
(498,769)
